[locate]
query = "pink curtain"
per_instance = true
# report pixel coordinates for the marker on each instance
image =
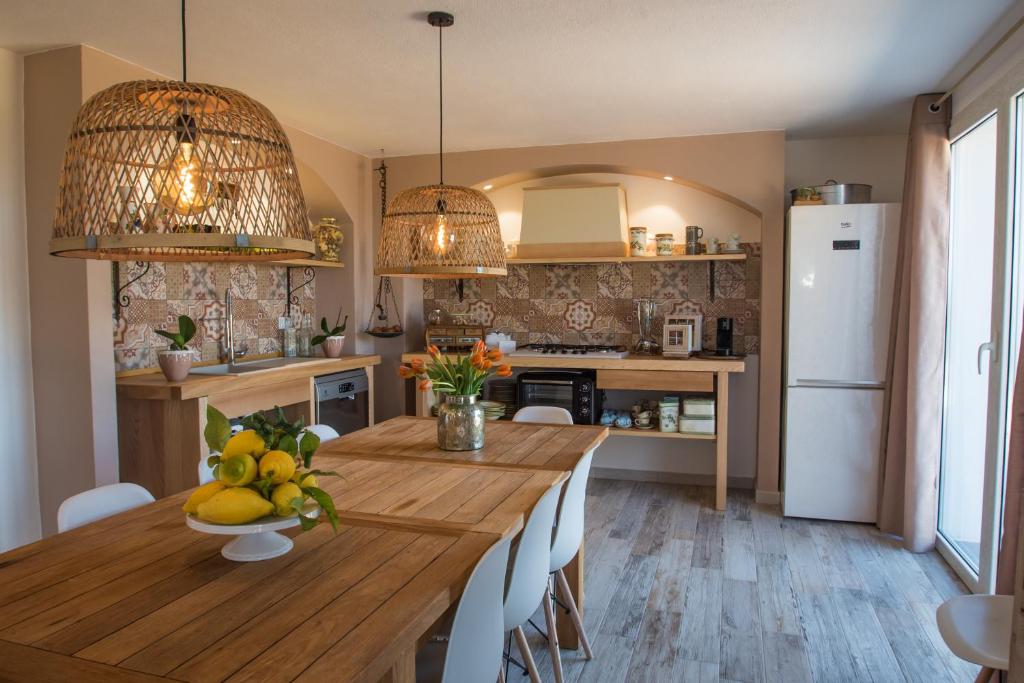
(909, 488)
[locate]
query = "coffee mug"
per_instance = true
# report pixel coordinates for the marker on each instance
(624, 422)
(734, 243)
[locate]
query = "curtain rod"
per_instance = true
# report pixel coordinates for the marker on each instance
(937, 104)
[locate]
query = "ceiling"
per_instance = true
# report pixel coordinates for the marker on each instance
(363, 74)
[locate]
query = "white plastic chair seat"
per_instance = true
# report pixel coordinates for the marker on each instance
(99, 503)
(977, 628)
(325, 432)
(205, 471)
(548, 414)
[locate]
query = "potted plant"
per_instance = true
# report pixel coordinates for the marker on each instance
(460, 420)
(176, 360)
(333, 338)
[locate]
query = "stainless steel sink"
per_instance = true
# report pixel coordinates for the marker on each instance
(250, 366)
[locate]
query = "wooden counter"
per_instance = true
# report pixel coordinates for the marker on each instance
(160, 424)
(643, 373)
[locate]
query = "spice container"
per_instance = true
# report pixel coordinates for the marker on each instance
(638, 241)
(666, 241)
(329, 239)
(668, 414)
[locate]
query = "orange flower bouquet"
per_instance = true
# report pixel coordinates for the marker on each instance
(460, 420)
(461, 376)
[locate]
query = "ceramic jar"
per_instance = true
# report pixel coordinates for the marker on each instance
(668, 412)
(332, 346)
(329, 239)
(175, 364)
(666, 242)
(460, 423)
(638, 241)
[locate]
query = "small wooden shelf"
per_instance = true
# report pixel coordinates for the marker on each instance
(630, 259)
(613, 431)
(302, 262)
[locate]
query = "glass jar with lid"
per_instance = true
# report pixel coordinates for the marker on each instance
(329, 239)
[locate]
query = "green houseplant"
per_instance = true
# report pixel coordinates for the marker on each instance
(176, 360)
(333, 338)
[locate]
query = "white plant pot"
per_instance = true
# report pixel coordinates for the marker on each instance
(333, 345)
(175, 364)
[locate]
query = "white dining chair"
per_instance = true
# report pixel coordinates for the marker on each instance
(205, 471)
(98, 503)
(549, 414)
(977, 628)
(568, 537)
(473, 648)
(529, 573)
(325, 432)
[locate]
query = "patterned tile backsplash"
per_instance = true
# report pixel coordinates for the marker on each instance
(595, 304)
(197, 290)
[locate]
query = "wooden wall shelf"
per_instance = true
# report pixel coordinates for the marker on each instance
(663, 435)
(302, 262)
(629, 259)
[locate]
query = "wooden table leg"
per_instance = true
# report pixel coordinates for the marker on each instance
(567, 637)
(721, 439)
(404, 668)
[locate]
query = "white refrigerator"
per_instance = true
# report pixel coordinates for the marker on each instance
(840, 277)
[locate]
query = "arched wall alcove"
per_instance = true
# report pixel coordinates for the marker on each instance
(659, 201)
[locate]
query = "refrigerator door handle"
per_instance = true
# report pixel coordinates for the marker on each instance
(982, 348)
(839, 384)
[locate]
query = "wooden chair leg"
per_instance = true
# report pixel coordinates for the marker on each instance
(524, 650)
(501, 673)
(574, 612)
(985, 675)
(549, 618)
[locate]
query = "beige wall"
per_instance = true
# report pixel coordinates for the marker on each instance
(877, 160)
(71, 324)
(748, 166)
(19, 506)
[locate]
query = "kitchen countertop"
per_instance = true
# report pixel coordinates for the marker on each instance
(630, 362)
(154, 387)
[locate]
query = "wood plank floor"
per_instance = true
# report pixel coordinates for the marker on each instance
(676, 591)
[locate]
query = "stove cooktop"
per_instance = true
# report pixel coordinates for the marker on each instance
(584, 350)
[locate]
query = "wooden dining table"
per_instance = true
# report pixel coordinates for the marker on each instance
(141, 597)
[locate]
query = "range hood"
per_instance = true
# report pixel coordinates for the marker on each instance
(577, 220)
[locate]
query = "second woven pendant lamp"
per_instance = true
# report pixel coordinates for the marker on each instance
(179, 171)
(441, 231)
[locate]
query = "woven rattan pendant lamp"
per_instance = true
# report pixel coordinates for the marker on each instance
(179, 171)
(441, 231)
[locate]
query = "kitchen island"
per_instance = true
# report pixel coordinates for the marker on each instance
(643, 373)
(160, 424)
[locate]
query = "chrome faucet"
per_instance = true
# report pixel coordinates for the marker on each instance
(229, 332)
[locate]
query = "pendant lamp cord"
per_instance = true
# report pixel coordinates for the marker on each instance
(440, 99)
(184, 53)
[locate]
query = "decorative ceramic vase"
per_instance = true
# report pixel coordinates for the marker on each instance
(332, 346)
(175, 364)
(460, 423)
(329, 239)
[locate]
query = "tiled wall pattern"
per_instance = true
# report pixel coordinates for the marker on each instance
(197, 290)
(595, 304)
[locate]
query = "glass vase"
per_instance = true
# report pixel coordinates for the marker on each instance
(460, 423)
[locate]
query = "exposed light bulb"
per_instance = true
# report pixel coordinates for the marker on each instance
(184, 190)
(443, 236)
(668, 177)
(488, 187)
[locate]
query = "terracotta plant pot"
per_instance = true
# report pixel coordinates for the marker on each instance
(332, 346)
(175, 364)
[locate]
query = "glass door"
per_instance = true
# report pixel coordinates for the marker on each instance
(966, 423)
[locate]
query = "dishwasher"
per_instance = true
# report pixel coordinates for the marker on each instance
(342, 400)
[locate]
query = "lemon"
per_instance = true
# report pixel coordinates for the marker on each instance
(304, 478)
(234, 506)
(277, 466)
(201, 495)
(282, 498)
(237, 470)
(247, 442)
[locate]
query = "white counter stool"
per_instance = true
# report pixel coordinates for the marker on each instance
(529, 573)
(977, 628)
(98, 503)
(549, 414)
(472, 650)
(325, 432)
